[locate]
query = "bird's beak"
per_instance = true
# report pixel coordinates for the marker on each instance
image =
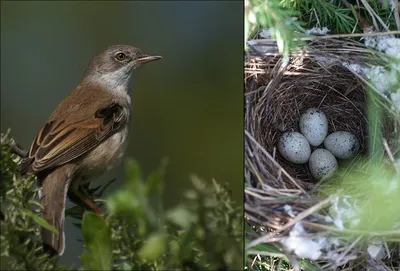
(145, 59)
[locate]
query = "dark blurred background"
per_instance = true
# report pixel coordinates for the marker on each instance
(187, 107)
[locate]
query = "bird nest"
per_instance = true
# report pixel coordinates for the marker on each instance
(277, 92)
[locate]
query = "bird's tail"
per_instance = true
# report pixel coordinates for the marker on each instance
(53, 194)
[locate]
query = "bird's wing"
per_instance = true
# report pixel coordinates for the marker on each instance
(62, 140)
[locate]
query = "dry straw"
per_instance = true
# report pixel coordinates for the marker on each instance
(276, 93)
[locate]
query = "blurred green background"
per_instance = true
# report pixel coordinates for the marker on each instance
(187, 107)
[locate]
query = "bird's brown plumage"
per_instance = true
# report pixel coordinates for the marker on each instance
(71, 131)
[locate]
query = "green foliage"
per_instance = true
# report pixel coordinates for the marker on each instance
(203, 232)
(383, 11)
(97, 237)
(332, 14)
(276, 16)
(341, 17)
(375, 126)
(374, 188)
(21, 248)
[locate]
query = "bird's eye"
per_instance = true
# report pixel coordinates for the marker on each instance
(120, 56)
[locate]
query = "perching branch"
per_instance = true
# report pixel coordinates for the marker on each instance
(14, 147)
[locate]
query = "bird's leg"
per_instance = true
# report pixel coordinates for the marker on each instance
(87, 201)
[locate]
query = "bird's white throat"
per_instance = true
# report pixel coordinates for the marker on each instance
(116, 81)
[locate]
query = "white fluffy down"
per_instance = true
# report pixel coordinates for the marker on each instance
(308, 246)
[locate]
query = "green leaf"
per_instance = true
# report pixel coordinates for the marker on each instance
(181, 216)
(198, 184)
(124, 203)
(155, 181)
(154, 247)
(97, 240)
(186, 240)
(263, 247)
(43, 223)
(125, 266)
(373, 188)
(133, 176)
(306, 265)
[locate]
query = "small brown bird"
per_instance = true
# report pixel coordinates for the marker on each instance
(85, 135)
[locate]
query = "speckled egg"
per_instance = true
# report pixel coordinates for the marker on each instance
(342, 144)
(294, 147)
(322, 163)
(313, 125)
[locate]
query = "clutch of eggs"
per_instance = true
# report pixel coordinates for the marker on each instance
(313, 125)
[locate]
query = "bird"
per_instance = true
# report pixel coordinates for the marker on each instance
(86, 135)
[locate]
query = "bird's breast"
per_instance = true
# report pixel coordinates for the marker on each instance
(105, 156)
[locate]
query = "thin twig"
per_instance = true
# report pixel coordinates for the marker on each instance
(397, 14)
(348, 249)
(373, 14)
(389, 234)
(15, 148)
(371, 34)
